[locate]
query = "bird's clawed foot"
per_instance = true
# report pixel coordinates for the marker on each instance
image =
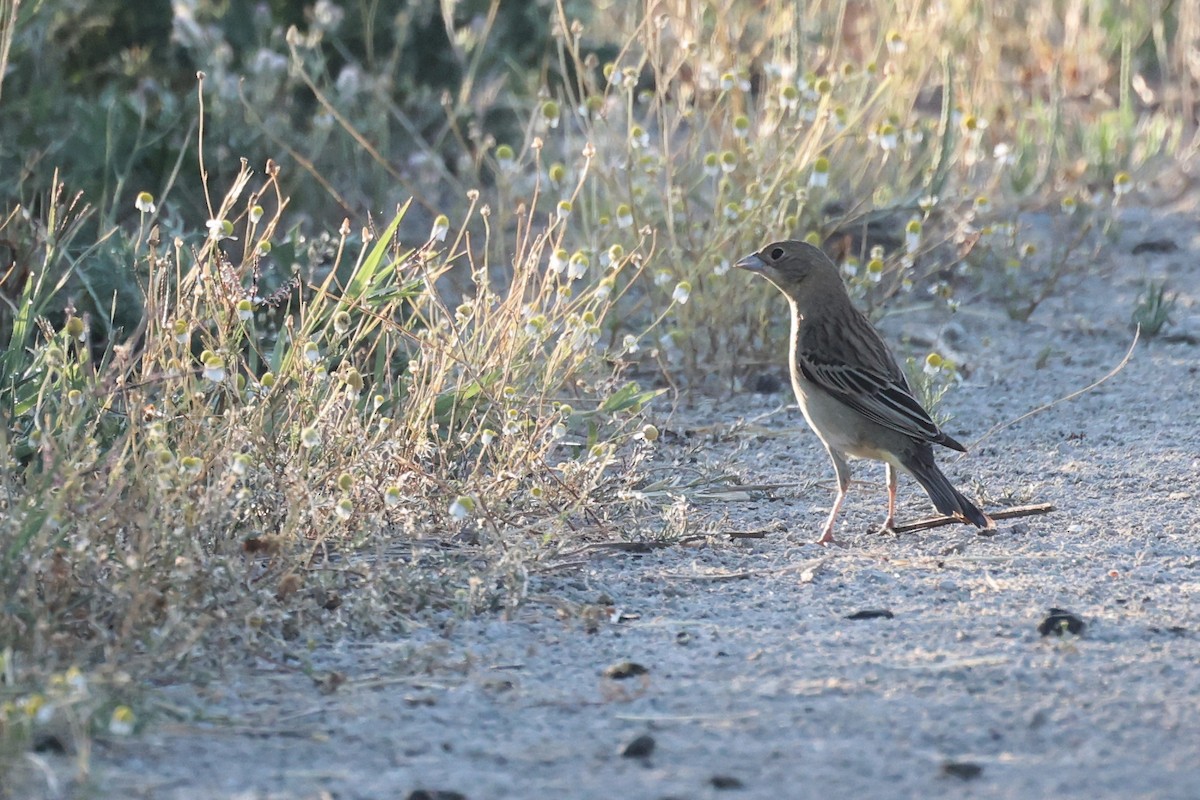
(888, 528)
(827, 540)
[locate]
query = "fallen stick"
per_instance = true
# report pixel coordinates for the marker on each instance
(1004, 513)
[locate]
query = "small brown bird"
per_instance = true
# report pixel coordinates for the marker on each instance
(849, 386)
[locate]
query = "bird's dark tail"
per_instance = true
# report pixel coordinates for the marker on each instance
(946, 499)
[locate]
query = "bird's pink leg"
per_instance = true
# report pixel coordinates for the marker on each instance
(843, 479)
(827, 533)
(890, 523)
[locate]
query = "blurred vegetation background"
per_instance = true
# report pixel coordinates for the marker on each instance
(365, 104)
(107, 96)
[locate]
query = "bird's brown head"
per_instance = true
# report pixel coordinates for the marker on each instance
(790, 265)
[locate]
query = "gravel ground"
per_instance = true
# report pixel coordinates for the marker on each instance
(754, 683)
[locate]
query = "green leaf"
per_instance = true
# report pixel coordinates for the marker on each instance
(376, 267)
(941, 167)
(457, 403)
(629, 396)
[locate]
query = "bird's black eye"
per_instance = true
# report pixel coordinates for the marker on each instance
(777, 253)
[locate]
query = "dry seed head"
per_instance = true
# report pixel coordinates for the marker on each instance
(887, 137)
(122, 721)
(462, 507)
(578, 265)
(214, 367)
(441, 227)
(310, 437)
(219, 229)
(75, 328)
(819, 178)
(558, 260)
(912, 236)
(535, 325)
(191, 467)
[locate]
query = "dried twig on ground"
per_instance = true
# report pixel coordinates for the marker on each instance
(1006, 513)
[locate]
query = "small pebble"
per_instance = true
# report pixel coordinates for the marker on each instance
(964, 770)
(641, 747)
(871, 613)
(1061, 621)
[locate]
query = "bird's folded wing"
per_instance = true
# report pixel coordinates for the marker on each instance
(880, 398)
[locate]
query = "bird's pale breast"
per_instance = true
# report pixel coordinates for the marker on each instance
(840, 427)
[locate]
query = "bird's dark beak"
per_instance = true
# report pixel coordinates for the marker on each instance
(751, 263)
